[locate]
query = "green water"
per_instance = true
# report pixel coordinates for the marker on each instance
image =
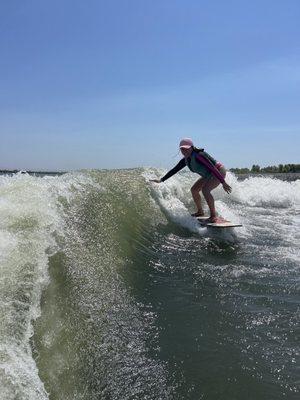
(138, 302)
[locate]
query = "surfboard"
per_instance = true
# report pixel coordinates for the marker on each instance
(222, 224)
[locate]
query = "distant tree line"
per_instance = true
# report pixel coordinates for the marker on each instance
(284, 168)
(7, 171)
(15, 171)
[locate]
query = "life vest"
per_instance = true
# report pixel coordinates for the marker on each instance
(195, 165)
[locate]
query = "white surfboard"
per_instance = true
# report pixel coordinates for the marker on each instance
(221, 224)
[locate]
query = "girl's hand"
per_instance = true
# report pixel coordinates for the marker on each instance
(226, 187)
(155, 180)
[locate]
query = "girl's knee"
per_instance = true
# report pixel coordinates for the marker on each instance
(195, 190)
(205, 192)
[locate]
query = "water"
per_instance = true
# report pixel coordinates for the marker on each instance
(110, 290)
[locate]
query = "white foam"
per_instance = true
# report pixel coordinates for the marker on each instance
(267, 192)
(30, 218)
(174, 208)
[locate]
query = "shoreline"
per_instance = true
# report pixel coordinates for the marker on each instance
(16, 171)
(286, 176)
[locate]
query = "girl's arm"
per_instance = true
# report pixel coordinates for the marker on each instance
(174, 170)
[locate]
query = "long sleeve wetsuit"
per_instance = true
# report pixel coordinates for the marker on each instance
(174, 170)
(203, 159)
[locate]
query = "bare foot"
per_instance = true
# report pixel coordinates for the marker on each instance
(198, 214)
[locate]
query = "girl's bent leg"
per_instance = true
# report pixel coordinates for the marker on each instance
(206, 190)
(211, 204)
(195, 189)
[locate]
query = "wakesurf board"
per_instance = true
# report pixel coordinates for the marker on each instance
(220, 223)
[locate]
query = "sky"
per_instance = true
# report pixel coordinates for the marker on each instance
(117, 84)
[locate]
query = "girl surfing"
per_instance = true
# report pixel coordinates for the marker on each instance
(212, 174)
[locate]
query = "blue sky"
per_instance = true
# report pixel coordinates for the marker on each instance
(113, 84)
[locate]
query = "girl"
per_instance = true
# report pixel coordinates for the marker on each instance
(212, 173)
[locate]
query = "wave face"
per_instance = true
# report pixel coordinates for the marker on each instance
(109, 289)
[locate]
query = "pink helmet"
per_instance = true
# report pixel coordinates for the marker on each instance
(186, 143)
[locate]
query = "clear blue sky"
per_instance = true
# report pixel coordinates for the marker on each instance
(112, 84)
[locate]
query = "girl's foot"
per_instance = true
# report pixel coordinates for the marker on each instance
(198, 214)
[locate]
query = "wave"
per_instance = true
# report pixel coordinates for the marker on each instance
(75, 323)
